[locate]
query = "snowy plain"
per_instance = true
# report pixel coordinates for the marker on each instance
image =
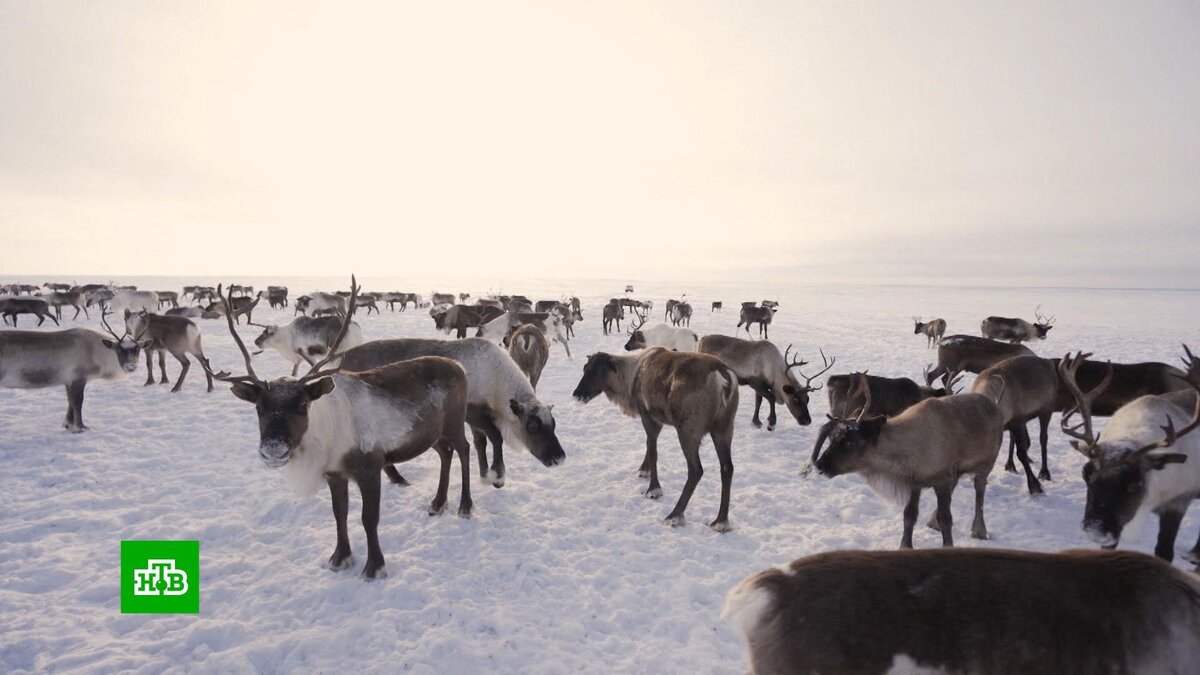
(567, 569)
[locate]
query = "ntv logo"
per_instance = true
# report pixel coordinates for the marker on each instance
(160, 577)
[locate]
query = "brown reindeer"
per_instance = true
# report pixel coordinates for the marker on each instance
(1026, 387)
(174, 334)
(695, 393)
(529, 348)
(955, 611)
(933, 330)
(967, 353)
(759, 365)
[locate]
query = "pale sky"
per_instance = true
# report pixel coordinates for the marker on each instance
(992, 143)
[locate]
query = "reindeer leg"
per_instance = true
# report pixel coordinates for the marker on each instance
(149, 368)
(758, 399)
(1193, 556)
(650, 461)
(1021, 432)
(723, 442)
(1011, 466)
(69, 419)
(162, 366)
(910, 517)
(691, 452)
(464, 461)
(1168, 530)
(394, 476)
(368, 487)
(439, 500)
(978, 528)
(77, 404)
(1043, 436)
(184, 365)
(340, 494)
(945, 520)
(771, 419)
(480, 439)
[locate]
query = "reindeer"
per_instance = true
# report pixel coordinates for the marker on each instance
(1025, 387)
(442, 298)
(135, 301)
(569, 318)
(576, 308)
(967, 353)
(760, 366)
(70, 298)
(681, 314)
(236, 290)
(174, 334)
(695, 393)
(954, 611)
(1016, 330)
(930, 445)
(662, 335)
(459, 318)
(277, 296)
(69, 358)
(11, 308)
(339, 425)
(716, 307)
(613, 313)
(529, 350)
(192, 313)
(933, 330)
(759, 315)
(242, 306)
(501, 403)
(500, 328)
(56, 286)
(1135, 464)
(167, 298)
(306, 339)
(323, 304)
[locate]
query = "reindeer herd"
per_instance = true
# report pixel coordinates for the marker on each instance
(362, 408)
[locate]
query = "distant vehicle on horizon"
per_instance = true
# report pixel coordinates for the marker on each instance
(628, 288)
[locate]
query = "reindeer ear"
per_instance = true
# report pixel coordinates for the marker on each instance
(108, 343)
(789, 390)
(316, 390)
(516, 407)
(1160, 461)
(246, 391)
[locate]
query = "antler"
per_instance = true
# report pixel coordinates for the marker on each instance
(1192, 377)
(315, 372)
(1041, 318)
(950, 378)
(788, 364)
(864, 387)
(808, 380)
(1067, 369)
(638, 326)
(104, 322)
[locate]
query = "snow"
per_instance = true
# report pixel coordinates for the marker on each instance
(563, 570)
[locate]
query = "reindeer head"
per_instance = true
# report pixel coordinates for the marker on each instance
(850, 438)
(637, 339)
(536, 431)
(282, 404)
(1116, 473)
(127, 347)
(596, 372)
(796, 395)
(919, 325)
(1043, 324)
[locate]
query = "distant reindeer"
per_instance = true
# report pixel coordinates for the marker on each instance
(529, 349)
(662, 335)
(442, 298)
(174, 334)
(716, 307)
(1135, 465)
(277, 296)
(695, 393)
(69, 358)
(242, 306)
(759, 315)
(681, 314)
(307, 339)
(933, 330)
(1016, 330)
(340, 425)
(967, 353)
(759, 365)
(930, 445)
(956, 611)
(70, 298)
(167, 298)
(612, 315)
(12, 307)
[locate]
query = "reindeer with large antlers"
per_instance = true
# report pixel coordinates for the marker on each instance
(338, 426)
(1017, 330)
(759, 365)
(661, 335)
(1135, 464)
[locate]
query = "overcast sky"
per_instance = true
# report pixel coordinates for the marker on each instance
(1024, 143)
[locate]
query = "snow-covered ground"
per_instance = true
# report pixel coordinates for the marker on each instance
(562, 570)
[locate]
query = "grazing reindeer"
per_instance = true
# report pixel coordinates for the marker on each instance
(1026, 388)
(930, 445)
(242, 306)
(662, 335)
(459, 318)
(1130, 381)
(967, 353)
(11, 308)
(681, 314)
(759, 315)
(887, 396)
(322, 304)
(613, 313)
(501, 404)
(277, 296)
(760, 366)
(174, 334)
(70, 358)
(529, 349)
(72, 298)
(167, 298)
(942, 611)
(576, 308)
(442, 298)
(339, 426)
(716, 307)
(1135, 464)
(932, 329)
(1016, 330)
(56, 286)
(695, 393)
(307, 339)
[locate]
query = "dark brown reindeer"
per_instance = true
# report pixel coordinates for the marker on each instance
(760, 366)
(967, 353)
(11, 308)
(716, 306)
(337, 426)
(70, 298)
(1142, 462)
(176, 335)
(930, 445)
(613, 313)
(1016, 330)
(759, 315)
(933, 330)
(528, 347)
(955, 611)
(1026, 388)
(695, 393)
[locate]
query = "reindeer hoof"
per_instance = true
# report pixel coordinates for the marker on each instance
(979, 534)
(720, 526)
(653, 493)
(372, 574)
(1035, 490)
(674, 521)
(464, 512)
(806, 469)
(148, 384)
(756, 424)
(335, 565)
(934, 525)
(436, 509)
(770, 426)
(1044, 474)
(1010, 467)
